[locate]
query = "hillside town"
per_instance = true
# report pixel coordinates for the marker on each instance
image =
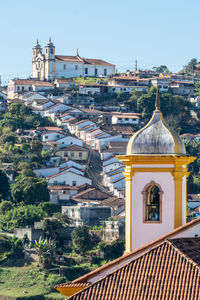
(67, 137)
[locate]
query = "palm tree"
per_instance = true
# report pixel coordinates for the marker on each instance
(45, 250)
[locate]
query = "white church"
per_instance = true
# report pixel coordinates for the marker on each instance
(49, 66)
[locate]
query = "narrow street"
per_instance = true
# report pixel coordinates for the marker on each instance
(94, 170)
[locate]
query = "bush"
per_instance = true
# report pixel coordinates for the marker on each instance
(112, 250)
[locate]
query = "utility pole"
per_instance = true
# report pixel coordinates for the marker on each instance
(136, 65)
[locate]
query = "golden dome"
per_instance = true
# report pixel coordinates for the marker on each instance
(156, 137)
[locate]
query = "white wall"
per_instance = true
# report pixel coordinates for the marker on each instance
(46, 172)
(68, 178)
(144, 233)
(69, 140)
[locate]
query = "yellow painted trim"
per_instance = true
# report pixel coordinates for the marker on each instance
(178, 171)
(128, 174)
(69, 291)
(153, 169)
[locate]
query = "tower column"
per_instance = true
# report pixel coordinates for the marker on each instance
(128, 174)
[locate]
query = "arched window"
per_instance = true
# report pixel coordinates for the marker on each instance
(152, 195)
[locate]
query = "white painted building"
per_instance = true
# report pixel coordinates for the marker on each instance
(50, 66)
(19, 86)
(69, 140)
(125, 118)
(68, 178)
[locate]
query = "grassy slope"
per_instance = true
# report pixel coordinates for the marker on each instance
(89, 80)
(24, 281)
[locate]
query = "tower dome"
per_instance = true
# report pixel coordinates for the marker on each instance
(37, 46)
(156, 137)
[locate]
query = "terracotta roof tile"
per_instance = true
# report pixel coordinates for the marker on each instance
(162, 273)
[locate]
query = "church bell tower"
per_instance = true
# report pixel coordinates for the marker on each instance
(156, 175)
(50, 61)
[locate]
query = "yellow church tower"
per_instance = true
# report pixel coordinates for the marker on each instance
(156, 175)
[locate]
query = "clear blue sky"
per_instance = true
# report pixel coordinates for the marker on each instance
(119, 31)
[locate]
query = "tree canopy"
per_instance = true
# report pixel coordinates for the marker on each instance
(4, 185)
(177, 110)
(30, 190)
(81, 240)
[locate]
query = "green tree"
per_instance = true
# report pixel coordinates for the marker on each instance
(5, 206)
(190, 67)
(81, 240)
(4, 185)
(161, 69)
(176, 108)
(30, 190)
(21, 216)
(56, 228)
(45, 250)
(112, 250)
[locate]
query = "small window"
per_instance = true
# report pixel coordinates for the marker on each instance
(86, 71)
(105, 72)
(76, 67)
(51, 51)
(72, 154)
(46, 51)
(46, 137)
(80, 154)
(22, 88)
(18, 88)
(95, 71)
(29, 88)
(152, 203)
(74, 183)
(64, 67)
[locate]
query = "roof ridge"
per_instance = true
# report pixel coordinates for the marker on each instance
(138, 250)
(167, 242)
(182, 253)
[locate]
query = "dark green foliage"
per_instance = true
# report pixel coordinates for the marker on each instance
(5, 206)
(81, 240)
(193, 186)
(112, 250)
(190, 67)
(21, 216)
(176, 109)
(4, 185)
(29, 190)
(21, 116)
(161, 69)
(11, 247)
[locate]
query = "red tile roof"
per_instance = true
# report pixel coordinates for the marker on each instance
(131, 255)
(164, 272)
(32, 82)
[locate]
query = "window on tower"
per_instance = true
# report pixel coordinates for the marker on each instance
(51, 51)
(152, 203)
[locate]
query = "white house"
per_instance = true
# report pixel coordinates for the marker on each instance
(162, 83)
(69, 140)
(33, 96)
(59, 107)
(71, 163)
(68, 178)
(125, 118)
(61, 194)
(112, 166)
(50, 66)
(18, 86)
(42, 103)
(44, 172)
(102, 142)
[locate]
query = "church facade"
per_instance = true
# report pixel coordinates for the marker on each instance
(49, 66)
